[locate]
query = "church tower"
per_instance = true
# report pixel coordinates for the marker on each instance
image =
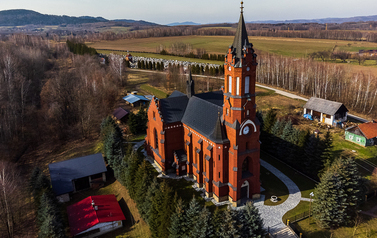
(239, 117)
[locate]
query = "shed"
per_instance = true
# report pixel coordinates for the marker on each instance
(77, 174)
(135, 100)
(328, 112)
(364, 134)
(94, 216)
(121, 114)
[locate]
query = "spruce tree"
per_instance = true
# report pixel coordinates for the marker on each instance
(327, 156)
(192, 214)
(33, 178)
(178, 220)
(203, 227)
(144, 179)
(147, 204)
(216, 221)
(337, 195)
(252, 222)
(269, 121)
(229, 228)
(165, 210)
(133, 165)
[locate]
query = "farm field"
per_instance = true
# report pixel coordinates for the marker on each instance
(296, 47)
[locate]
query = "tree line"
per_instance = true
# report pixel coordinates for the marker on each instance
(80, 48)
(158, 203)
(306, 152)
(49, 217)
(345, 31)
(49, 93)
(357, 90)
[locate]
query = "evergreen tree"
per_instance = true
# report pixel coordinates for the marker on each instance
(313, 163)
(33, 178)
(275, 130)
(144, 179)
(133, 165)
(52, 228)
(216, 221)
(192, 215)
(269, 121)
(252, 222)
(164, 214)
(229, 226)
(327, 156)
(147, 204)
(203, 227)
(178, 220)
(337, 195)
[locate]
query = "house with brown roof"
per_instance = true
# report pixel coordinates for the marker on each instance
(364, 134)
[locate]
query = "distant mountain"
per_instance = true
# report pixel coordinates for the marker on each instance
(186, 23)
(20, 17)
(323, 20)
(138, 22)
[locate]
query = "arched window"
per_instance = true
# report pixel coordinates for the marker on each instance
(155, 139)
(245, 168)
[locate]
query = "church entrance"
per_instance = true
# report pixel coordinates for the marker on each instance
(245, 190)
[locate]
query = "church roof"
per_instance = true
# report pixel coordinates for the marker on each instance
(173, 108)
(176, 93)
(202, 116)
(241, 40)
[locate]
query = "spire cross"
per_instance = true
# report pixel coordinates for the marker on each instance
(242, 7)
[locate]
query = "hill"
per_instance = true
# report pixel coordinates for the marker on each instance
(186, 23)
(141, 22)
(324, 20)
(20, 17)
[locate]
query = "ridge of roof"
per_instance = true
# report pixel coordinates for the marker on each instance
(324, 105)
(369, 129)
(82, 215)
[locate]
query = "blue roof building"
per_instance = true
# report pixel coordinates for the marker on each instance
(135, 100)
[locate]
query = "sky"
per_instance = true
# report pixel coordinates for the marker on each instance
(199, 11)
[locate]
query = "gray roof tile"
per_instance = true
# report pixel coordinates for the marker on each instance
(325, 106)
(62, 173)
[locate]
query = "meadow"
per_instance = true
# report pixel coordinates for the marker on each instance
(295, 47)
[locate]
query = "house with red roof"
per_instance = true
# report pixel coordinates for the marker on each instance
(364, 134)
(94, 216)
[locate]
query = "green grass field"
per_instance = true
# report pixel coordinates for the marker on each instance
(153, 91)
(296, 47)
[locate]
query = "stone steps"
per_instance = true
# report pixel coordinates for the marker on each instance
(284, 233)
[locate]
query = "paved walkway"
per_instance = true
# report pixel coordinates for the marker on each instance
(272, 215)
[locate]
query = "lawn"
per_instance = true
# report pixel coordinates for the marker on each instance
(305, 185)
(153, 91)
(367, 227)
(272, 186)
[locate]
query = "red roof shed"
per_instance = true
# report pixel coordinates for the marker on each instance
(92, 211)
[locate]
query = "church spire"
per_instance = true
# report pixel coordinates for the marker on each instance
(190, 88)
(241, 40)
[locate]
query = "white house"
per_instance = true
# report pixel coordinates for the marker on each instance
(326, 111)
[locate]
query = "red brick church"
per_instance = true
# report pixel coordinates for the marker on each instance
(213, 137)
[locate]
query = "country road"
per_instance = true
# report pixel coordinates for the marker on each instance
(278, 91)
